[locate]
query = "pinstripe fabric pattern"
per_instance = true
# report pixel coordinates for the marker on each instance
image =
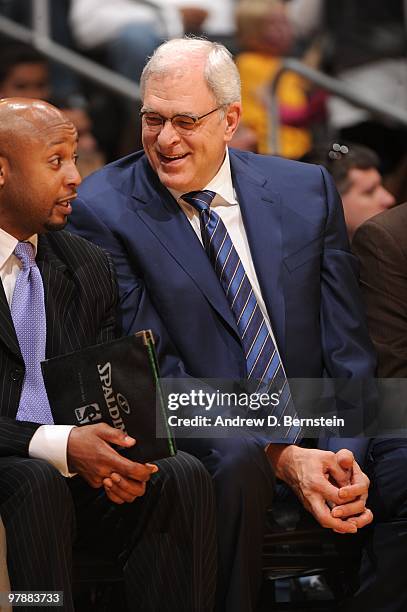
(170, 529)
(177, 546)
(80, 299)
(37, 512)
(262, 359)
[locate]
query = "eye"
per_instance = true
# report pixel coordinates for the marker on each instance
(75, 158)
(184, 122)
(55, 161)
(152, 119)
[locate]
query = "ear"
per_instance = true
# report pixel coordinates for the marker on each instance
(3, 171)
(232, 117)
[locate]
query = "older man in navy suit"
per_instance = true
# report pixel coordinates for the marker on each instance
(240, 264)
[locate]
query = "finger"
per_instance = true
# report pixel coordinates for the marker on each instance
(129, 488)
(362, 520)
(348, 510)
(107, 482)
(114, 435)
(328, 492)
(345, 458)
(340, 475)
(113, 497)
(126, 494)
(323, 515)
(351, 492)
(114, 462)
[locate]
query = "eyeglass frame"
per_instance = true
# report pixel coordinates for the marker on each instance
(195, 119)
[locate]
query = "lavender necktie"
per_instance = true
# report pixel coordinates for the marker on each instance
(28, 314)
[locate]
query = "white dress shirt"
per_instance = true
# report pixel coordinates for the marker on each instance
(49, 442)
(227, 207)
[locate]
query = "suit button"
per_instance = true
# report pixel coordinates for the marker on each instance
(16, 374)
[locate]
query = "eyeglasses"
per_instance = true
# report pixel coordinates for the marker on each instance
(183, 124)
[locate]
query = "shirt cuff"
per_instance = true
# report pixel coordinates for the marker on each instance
(50, 443)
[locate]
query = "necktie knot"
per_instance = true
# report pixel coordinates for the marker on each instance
(200, 200)
(25, 253)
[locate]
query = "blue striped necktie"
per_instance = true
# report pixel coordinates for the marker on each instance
(262, 358)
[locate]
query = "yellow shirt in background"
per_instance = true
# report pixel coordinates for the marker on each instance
(257, 72)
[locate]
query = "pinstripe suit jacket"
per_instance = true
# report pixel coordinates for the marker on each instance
(80, 298)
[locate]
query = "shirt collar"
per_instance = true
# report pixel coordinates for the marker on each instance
(8, 243)
(221, 184)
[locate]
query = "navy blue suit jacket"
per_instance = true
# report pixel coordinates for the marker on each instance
(295, 227)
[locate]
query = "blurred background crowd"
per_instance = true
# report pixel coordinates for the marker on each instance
(364, 44)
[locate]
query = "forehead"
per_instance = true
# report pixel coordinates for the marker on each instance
(182, 89)
(364, 178)
(44, 138)
(28, 70)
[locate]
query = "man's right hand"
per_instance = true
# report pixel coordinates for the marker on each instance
(91, 455)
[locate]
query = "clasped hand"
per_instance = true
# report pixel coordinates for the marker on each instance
(330, 485)
(90, 454)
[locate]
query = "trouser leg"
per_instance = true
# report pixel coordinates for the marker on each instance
(165, 540)
(382, 582)
(37, 511)
(243, 482)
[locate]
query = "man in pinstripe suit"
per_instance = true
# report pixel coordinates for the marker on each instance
(165, 539)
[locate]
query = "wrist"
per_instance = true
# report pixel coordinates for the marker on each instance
(282, 457)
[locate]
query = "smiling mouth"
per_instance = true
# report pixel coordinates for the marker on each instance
(171, 158)
(67, 200)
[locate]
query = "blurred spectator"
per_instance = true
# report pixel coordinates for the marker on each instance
(380, 245)
(244, 139)
(63, 79)
(355, 172)
(265, 34)
(23, 72)
(127, 31)
(90, 157)
(366, 45)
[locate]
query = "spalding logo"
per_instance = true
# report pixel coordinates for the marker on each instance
(123, 403)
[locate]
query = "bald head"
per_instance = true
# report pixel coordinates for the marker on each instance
(24, 118)
(38, 174)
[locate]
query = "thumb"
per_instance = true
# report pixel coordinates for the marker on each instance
(115, 436)
(345, 459)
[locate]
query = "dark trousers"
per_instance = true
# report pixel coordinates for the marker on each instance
(382, 575)
(164, 540)
(244, 484)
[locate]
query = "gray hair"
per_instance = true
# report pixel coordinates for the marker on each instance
(220, 72)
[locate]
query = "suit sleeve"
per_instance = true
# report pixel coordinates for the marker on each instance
(383, 281)
(348, 353)
(136, 312)
(15, 437)
(347, 348)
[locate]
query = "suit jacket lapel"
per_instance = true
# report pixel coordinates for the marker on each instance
(8, 333)
(261, 212)
(160, 212)
(58, 291)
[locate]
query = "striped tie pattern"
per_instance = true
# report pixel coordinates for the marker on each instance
(262, 358)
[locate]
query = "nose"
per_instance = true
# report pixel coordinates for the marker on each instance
(388, 199)
(72, 177)
(168, 135)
